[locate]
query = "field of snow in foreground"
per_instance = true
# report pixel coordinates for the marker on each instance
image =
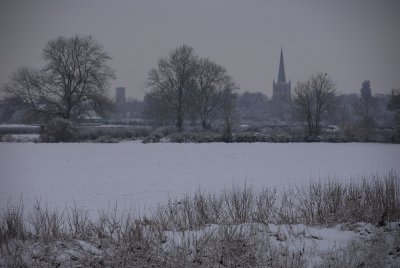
(136, 175)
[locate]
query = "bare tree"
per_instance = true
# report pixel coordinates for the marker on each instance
(174, 79)
(366, 108)
(228, 107)
(313, 98)
(394, 102)
(211, 81)
(11, 107)
(102, 105)
(253, 106)
(344, 114)
(156, 109)
(76, 72)
(394, 105)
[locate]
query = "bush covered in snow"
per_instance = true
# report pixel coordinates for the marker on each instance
(112, 133)
(18, 129)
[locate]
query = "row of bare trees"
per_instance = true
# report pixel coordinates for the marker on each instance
(76, 77)
(185, 86)
(316, 99)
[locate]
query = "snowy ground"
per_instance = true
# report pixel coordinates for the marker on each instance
(139, 175)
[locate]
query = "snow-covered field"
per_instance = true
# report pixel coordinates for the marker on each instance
(140, 176)
(137, 175)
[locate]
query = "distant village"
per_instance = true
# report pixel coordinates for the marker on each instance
(261, 114)
(240, 115)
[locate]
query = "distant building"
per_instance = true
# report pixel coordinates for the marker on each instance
(91, 117)
(281, 90)
(120, 99)
(366, 89)
(120, 103)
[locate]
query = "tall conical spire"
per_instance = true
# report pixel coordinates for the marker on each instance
(281, 74)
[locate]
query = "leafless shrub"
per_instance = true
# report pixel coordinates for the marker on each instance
(12, 224)
(13, 253)
(111, 222)
(286, 211)
(373, 200)
(189, 212)
(173, 215)
(239, 204)
(237, 247)
(79, 225)
(230, 246)
(320, 203)
(265, 204)
(215, 205)
(136, 245)
(202, 209)
(46, 224)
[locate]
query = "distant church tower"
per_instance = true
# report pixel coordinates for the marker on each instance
(120, 97)
(281, 89)
(120, 100)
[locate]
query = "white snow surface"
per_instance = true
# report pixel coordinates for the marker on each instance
(140, 176)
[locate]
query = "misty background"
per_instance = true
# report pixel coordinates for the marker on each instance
(352, 41)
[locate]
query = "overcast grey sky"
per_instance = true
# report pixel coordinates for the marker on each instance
(351, 40)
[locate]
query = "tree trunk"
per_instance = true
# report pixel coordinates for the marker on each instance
(204, 124)
(179, 122)
(227, 133)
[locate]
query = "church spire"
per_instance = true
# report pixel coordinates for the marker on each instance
(281, 89)
(281, 74)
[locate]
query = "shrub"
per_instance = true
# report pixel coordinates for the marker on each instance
(200, 137)
(116, 133)
(19, 129)
(153, 137)
(59, 130)
(12, 224)
(165, 130)
(107, 139)
(179, 137)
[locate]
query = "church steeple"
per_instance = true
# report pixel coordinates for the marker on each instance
(281, 90)
(281, 74)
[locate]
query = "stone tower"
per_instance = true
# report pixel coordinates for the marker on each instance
(120, 96)
(120, 100)
(281, 89)
(366, 89)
